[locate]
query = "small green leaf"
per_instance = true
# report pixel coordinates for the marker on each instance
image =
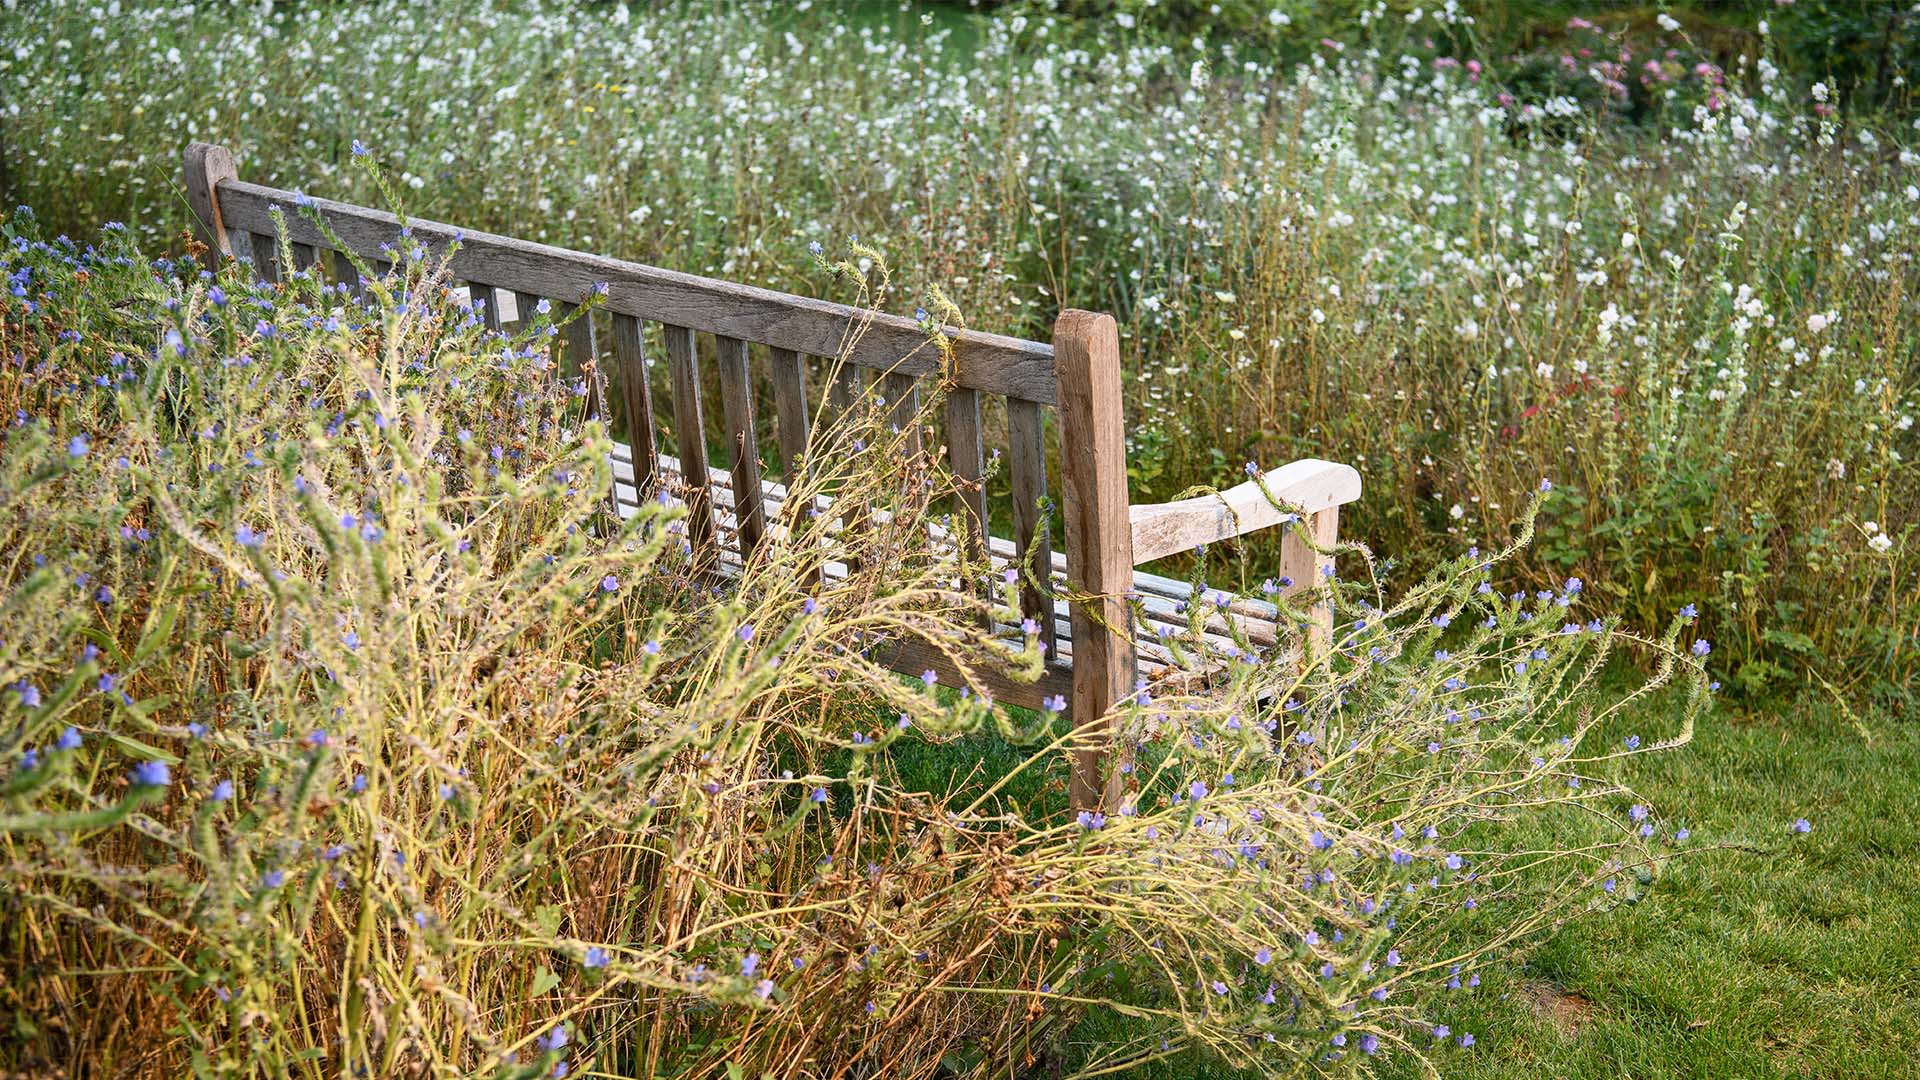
(136, 748)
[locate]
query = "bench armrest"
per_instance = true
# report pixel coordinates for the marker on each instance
(1302, 487)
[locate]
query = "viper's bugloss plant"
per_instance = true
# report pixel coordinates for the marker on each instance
(344, 729)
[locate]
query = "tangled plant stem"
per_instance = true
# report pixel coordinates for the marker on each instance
(343, 729)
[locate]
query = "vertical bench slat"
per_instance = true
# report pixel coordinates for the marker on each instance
(966, 456)
(1033, 548)
(482, 299)
(304, 256)
(682, 362)
(581, 353)
(1099, 536)
(347, 274)
(736, 400)
(266, 257)
(636, 396)
(903, 408)
(790, 409)
(523, 307)
(847, 392)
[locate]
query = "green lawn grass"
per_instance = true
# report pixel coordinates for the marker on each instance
(1765, 954)
(1761, 954)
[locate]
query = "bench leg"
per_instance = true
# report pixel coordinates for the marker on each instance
(1301, 562)
(1099, 536)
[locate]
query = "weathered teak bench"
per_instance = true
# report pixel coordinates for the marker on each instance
(1095, 656)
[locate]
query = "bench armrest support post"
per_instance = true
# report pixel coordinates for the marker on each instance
(1099, 539)
(1310, 571)
(204, 167)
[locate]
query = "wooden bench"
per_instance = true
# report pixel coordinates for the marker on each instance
(1095, 655)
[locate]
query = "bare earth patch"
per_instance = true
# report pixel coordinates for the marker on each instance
(1567, 1011)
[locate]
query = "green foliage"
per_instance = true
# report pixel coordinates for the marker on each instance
(1366, 251)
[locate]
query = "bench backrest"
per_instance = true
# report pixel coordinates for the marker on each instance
(1079, 375)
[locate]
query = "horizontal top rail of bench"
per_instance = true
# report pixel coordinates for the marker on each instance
(1018, 369)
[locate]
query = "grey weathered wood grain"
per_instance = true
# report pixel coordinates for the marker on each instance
(1033, 547)
(691, 428)
(484, 305)
(304, 256)
(966, 456)
(987, 362)
(846, 390)
(743, 442)
(790, 407)
(582, 353)
(903, 408)
(266, 256)
(348, 274)
(526, 307)
(636, 399)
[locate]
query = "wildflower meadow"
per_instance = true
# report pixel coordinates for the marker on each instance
(346, 727)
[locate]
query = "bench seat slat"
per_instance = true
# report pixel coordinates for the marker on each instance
(1162, 601)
